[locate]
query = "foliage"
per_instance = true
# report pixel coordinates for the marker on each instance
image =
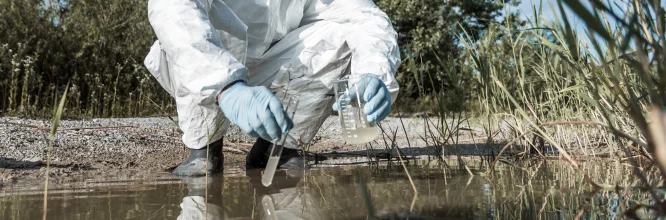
(613, 80)
(626, 78)
(428, 37)
(98, 45)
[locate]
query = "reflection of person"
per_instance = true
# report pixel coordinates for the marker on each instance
(284, 199)
(287, 199)
(223, 57)
(196, 206)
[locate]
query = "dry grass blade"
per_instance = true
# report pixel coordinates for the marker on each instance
(365, 193)
(537, 128)
(54, 129)
(402, 162)
(658, 133)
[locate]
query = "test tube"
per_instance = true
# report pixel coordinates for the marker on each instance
(276, 150)
(269, 208)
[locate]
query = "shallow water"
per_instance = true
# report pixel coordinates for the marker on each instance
(531, 190)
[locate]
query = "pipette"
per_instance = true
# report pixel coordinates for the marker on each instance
(276, 150)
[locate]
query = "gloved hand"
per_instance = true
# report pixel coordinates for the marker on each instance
(374, 94)
(255, 110)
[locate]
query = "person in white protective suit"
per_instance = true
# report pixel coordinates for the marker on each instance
(238, 59)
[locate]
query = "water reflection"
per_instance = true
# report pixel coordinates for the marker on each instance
(530, 190)
(198, 203)
(284, 199)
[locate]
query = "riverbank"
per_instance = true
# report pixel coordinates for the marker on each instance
(146, 146)
(135, 148)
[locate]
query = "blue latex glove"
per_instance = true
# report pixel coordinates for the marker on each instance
(375, 95)
(255, 110)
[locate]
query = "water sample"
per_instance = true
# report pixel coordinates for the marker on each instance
(276, 151)
(359, 135)
(356, 129)
(267, 179)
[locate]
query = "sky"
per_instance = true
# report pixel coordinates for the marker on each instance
(526, 11)
(525, 7)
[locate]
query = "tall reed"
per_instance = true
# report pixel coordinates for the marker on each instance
(551, 82)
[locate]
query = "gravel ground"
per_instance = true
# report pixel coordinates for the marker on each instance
(137, 147)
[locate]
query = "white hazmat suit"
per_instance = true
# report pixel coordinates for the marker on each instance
(293, 46)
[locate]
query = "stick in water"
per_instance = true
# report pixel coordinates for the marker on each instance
(276, 151)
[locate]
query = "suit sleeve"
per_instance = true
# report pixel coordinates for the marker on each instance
(369, 34)
(199, 64)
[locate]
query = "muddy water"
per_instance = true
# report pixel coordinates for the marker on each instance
(530, 190)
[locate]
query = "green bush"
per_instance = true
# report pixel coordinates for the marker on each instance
(97, 45)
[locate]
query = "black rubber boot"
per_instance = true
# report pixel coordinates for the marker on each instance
(261, 150)
(196, 163)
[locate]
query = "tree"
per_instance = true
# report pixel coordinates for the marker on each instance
(428, 36)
